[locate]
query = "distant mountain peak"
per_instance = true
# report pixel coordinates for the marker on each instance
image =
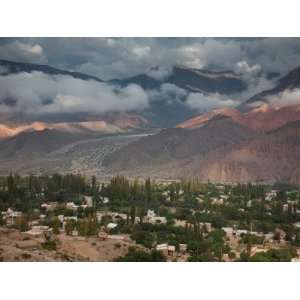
(12, 67)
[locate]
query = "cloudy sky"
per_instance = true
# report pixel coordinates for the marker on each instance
(38, 94)
(121, 57)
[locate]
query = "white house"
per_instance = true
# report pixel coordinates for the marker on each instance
(183, 248)
(61, 218)
(229, 231)
(199, 199)
(285, 207)
(166, 249)
(88, 201)
(111, 225)
(105, 200)
(99, 215)
(153, 219)
(71, 206)
(49, 206)
(162, 247)
(10, 216)
(150, 213)
(217, 201)
(270, 195)
(297, 224)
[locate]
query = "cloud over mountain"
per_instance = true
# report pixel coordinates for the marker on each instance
(286, 98)
(39, 94)
(123, 57)
(202, 102)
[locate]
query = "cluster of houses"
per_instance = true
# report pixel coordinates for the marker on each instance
(236, 234)
(51, 206)
(36, 229)
(112, 220)
(150, 217)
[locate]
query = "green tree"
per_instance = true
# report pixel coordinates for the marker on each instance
(69, 227)
(55, 225)
(135, 255)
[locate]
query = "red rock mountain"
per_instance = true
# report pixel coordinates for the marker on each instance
(263, 118)
(262, 145)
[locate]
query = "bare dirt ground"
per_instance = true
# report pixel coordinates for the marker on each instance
(93, 249)
(17, 246)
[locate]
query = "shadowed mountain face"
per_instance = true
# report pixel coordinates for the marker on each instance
(210, 82)
(192, 80)
(11, 67)
(33, 144)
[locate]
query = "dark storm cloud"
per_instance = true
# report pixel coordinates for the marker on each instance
(122, 57)
(254, 59)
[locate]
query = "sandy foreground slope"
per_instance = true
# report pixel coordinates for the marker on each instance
(16, 246)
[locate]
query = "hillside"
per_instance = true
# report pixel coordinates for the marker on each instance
(176, 144)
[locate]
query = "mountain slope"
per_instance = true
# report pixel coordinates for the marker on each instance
(177, 143)
(272, 157)
(36, 143)
(196, 80)
(215, 155)
(192, 80)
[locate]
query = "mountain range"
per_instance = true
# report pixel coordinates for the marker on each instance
(192, 80)
(221, 150)
(257, 141)
(163, 111)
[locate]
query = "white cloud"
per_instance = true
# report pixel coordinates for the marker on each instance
(286, 98)
(159, 73)
(22, 51)
(191, 56)
(242, 67)
(141, 51)
(167, 93)
(64, 94)
(255, 85)
(202, 103)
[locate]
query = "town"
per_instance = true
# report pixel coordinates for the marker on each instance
(74, 218)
